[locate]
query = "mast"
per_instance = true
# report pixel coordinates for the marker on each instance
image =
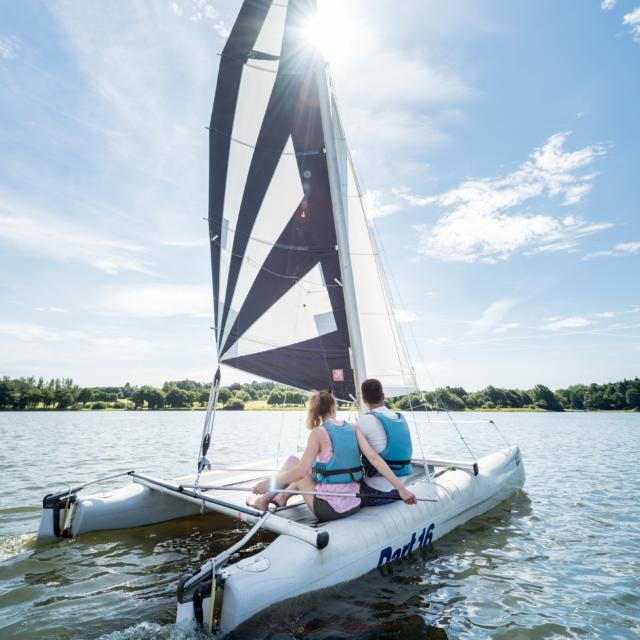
(342, 232)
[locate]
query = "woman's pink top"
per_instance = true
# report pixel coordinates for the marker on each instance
(339, 503)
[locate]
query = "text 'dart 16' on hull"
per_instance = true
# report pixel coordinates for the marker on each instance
(300, 298)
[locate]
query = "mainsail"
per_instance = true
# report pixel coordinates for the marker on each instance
(280, 297)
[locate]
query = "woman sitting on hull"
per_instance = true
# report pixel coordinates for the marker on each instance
(330, 463)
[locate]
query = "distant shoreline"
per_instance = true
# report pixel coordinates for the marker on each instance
(298, 408)
(62, 394)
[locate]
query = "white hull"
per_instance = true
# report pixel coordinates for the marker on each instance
(370, 538)
(134, 505)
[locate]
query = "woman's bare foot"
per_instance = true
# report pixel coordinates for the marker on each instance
(259, 502)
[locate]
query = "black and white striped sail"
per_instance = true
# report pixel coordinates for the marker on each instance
(279, 299)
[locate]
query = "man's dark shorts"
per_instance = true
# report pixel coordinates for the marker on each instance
(371, 497)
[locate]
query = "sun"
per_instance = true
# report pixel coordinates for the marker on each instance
(329, 30)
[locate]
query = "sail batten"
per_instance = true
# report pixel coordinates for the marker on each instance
(278, 281)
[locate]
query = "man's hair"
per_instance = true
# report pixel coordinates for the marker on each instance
(372, 392)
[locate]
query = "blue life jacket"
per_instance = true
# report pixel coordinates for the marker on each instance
(397, 453)
(344, 465)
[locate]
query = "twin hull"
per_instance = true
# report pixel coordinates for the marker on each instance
(289, 566)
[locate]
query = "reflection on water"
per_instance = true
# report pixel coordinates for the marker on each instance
(559, 560)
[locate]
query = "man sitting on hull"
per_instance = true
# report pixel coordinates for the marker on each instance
(388, 434)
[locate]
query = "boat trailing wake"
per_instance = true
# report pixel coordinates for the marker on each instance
(153, 631)
(14, 545)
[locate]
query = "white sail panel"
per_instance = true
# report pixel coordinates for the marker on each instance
(269, 39)
(281, 200)
(385, 352)
(304, 312)
(255, 90)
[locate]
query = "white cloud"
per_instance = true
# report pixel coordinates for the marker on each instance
(202, 10)
(633, 20)
(628, 247)
(186, 244)
(27, 332)
(621, 249)
(572, 322)
(404, 315)
(608, 4)
(112, 347)
(482, 224)
(558, 323)
(506, 327)
(9, 46)
(52, 309)
(491, 316)
(147, 76)
(44, 235)
(437, 340)
(375, 205)
(159, 301)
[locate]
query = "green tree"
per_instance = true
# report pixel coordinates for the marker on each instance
(85, 395)
(64, 397)
(224, 394)
(275, 397)
(6, 393)
(233, 404)
(250, 392)
(632, 397)
(450, 401)
(154, 398)
(177, 397)
(545, 398)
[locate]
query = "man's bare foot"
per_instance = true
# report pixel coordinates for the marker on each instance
(280, 500)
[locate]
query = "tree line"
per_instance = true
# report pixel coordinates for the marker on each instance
(62, 393)
(620, 396)
(29, 393)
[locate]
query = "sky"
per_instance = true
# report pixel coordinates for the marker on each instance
(498, 144)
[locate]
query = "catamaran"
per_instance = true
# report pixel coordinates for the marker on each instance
(300, 298)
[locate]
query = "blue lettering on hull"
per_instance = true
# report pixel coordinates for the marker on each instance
(388, 554)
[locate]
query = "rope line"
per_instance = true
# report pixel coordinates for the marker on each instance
(248, 145)
(269, 271)
(291, 247)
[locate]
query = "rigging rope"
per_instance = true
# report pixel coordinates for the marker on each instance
(308, 152)
(207, 429)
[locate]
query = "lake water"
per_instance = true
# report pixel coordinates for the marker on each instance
(560, 560)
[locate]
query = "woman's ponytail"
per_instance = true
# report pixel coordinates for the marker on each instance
(321, 404)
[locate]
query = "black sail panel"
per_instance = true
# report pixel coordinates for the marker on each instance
(278, 298)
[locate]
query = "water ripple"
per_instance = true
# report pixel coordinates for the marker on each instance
(559, 560)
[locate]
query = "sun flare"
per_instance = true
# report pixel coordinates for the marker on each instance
(329, 30)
